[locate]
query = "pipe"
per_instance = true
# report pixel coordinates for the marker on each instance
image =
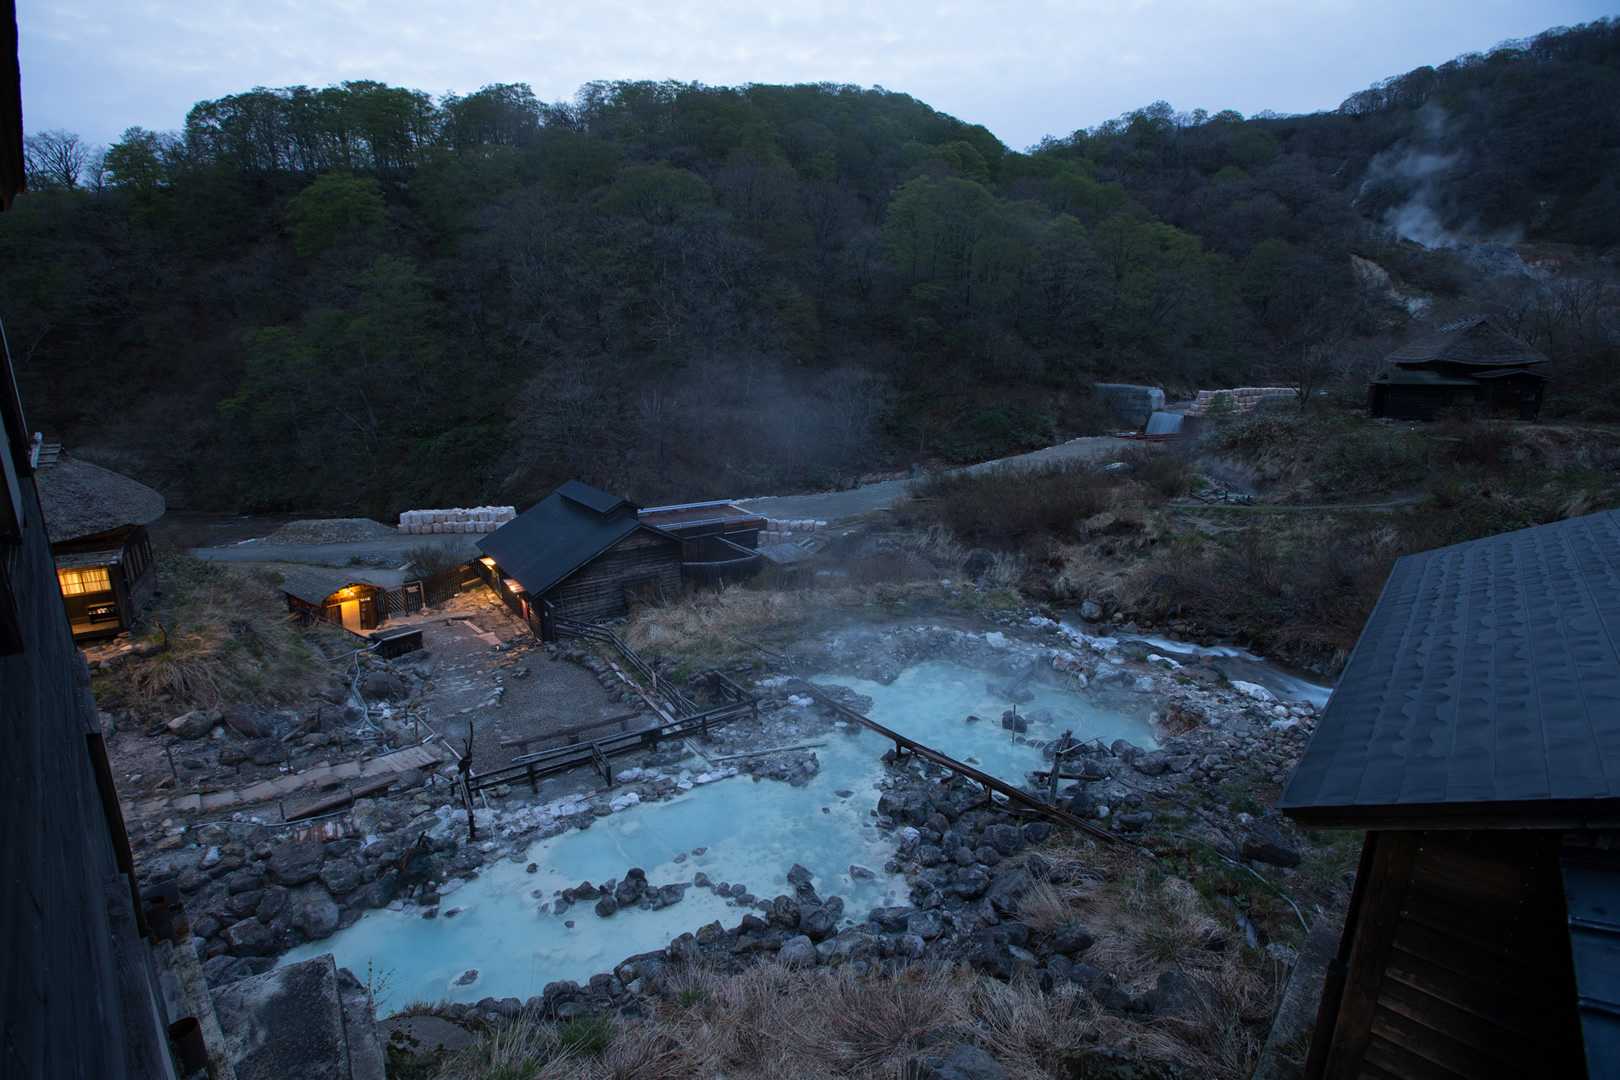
(186, 1035)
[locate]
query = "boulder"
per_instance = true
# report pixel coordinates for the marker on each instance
(340, 876)
(248, 722)
(1007, 839)
(927, 925)
(1071, 939)
(798, 952)
(818, 923)
(249, 937)
(607, 905)
(296, 863)
(1007, 888)
(999, 950)
(967, 1063)
(317, 917)
(1176, 994)
(191, 725)
(1265, 844)
(1091, 611)
(970, 883)
(381, 684)
(892, 919)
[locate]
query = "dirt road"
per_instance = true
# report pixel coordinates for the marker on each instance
(837, 505)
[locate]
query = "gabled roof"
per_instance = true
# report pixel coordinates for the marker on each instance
(1474, 342)
(1485, 688)
(313, 584)
(81, 499)
(559, 534)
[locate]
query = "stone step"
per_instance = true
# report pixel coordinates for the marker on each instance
(309, 1020)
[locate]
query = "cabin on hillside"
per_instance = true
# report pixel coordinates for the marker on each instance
(719, 540)
(1475, 736)
(581, 554)
(96, 520)
(356, 601)
(1468, 362)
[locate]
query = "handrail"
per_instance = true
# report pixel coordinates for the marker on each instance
(679, 702)
(983, 779)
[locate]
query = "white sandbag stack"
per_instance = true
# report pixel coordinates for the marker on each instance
(477, 519)
(780, 530)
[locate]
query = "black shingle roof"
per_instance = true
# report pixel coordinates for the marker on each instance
(1486, 685)
(559, 534)
(1473, 342)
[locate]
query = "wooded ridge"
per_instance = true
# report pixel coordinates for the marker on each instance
(360, 298)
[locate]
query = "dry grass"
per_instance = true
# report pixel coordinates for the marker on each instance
(227, 640)
(706, 627)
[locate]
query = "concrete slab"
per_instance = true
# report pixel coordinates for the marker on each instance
(286, 1023)
(1296, 1015)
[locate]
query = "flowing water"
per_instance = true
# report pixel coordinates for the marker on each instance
(1290, 684)
(749, 832)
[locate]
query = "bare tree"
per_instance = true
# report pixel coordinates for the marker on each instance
(56, 159)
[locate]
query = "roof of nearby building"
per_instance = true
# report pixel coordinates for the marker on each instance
(1485, 686)
(78, 560)
(1422, 377)
(1473, 341)
(313, 584)
(80, 499)
(559, 534)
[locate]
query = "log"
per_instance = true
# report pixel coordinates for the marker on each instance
(369, 786)
(762, 753)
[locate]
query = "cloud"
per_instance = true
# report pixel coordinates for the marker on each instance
(1024, 68)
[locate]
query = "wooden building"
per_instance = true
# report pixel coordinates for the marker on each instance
(1475, 736)
(1468, 362)
(582, 554)
(97, 522)
(719, 540)
(341, 597)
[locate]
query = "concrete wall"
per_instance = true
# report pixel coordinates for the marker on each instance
(77, 991)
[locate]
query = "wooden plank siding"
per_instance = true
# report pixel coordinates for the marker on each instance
(1461, 962)
(642, 560)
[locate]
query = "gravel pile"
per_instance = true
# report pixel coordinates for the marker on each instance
(331, 531)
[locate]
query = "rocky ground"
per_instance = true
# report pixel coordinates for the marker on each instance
(254, 887)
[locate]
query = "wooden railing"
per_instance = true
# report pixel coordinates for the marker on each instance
(992, 785)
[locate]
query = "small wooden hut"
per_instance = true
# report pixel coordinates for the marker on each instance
(96, 520)
(1475, 735)
(579, 553)
(1468, 362)
(340, 597)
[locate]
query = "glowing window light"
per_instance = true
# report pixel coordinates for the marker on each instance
(92, 579)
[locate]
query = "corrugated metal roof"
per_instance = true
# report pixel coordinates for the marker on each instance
(559, 534)
(1591, 868)
(1486, 683)
(785, 554)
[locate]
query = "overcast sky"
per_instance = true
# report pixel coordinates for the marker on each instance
(1023, 68)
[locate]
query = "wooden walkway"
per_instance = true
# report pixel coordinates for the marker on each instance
(992, 785)
(363, 773)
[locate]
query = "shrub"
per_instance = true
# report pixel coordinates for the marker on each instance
(1005, 507)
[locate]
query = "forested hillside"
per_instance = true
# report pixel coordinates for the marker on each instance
(362, 298)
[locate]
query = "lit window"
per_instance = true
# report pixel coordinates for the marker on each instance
(89, 580)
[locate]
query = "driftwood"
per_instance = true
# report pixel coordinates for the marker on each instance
(368, 786)
(762, 753)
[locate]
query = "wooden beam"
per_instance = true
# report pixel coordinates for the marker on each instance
(368, 786)
(1373, 931)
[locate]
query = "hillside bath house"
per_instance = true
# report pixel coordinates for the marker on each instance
(1468, 362)
(96, 520)
(1475, 736)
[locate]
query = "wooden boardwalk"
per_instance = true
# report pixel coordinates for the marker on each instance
(992, 785)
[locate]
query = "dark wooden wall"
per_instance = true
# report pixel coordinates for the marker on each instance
(597, 589)
(76, 986)
(1459, 963)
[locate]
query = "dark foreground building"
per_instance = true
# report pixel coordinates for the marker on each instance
(1469, 362)
(1475, 735)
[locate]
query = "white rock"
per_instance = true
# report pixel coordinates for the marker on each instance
(625, 801)
(1155, 658)
(996, 639)
(451, 886)
(1254, 690)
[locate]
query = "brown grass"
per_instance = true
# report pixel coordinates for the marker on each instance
(227, 640)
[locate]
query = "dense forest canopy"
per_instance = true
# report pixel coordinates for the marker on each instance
(362, 298)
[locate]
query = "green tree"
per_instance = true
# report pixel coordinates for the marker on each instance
(331, 208)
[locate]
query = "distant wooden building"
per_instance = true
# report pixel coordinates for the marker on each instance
(582, 554)
(1475, 735)
(96, 520)
(719, 540)
(1467, 362)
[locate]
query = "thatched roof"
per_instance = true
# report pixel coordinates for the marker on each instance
(1474, 342)
(81, 499)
